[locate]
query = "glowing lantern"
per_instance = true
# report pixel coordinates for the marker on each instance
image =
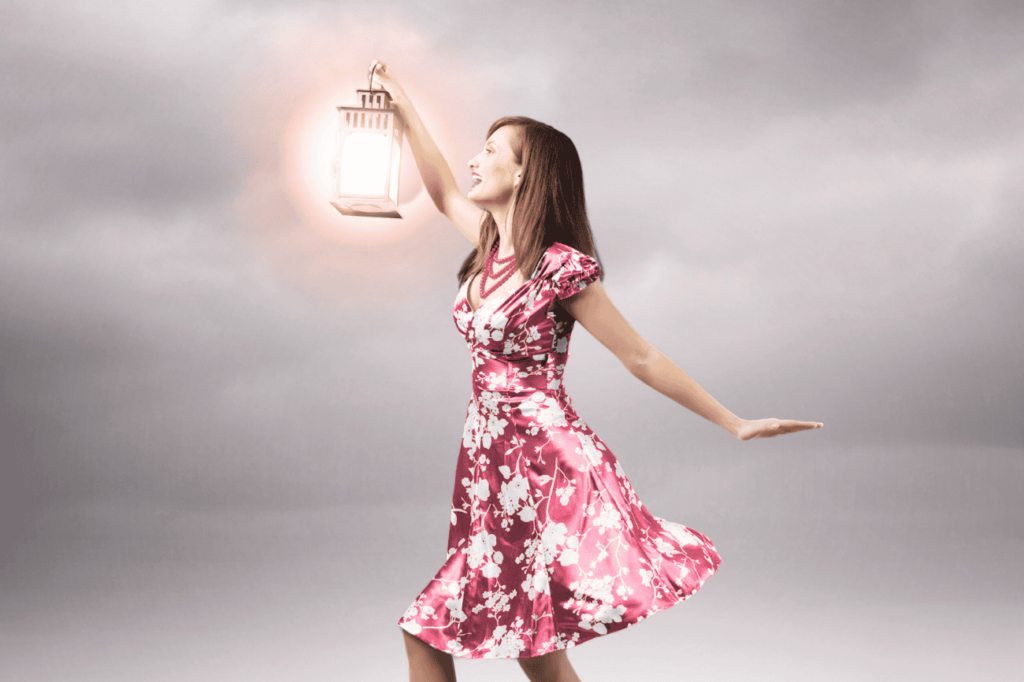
(368, 157)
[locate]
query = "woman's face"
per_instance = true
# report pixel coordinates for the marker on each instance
(495, 171)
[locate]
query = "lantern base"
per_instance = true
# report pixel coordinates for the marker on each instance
(367, 208)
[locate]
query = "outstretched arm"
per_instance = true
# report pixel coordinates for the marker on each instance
(434, 170)
(594, 310)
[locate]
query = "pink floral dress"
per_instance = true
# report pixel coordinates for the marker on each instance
(549, 545)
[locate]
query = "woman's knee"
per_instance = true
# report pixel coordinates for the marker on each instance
(417, 648)
(414, 646)
(546, 667)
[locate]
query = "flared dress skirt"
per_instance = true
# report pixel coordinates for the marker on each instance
(549, 545)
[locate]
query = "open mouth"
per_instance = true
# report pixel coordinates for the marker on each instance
(476, 179)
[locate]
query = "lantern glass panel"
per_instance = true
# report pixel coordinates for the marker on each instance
(365, 162)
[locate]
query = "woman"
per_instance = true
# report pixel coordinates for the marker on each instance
(548, 546)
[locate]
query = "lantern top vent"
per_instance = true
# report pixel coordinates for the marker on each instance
(373, 99)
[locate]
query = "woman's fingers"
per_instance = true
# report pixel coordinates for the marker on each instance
(767, 428)
(790, 426)
(383, 78)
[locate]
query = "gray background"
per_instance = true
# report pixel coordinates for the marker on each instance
(229, 426)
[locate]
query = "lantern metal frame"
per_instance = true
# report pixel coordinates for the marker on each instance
(374, 116)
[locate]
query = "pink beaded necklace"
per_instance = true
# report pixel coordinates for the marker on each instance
(499, 277)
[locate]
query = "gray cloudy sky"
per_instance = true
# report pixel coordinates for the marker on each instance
(814, 208)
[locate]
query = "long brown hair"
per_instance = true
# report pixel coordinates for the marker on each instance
(548, 205)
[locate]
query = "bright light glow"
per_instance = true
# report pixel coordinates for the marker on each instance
(364, 164)
(317, 62)
(308, 145)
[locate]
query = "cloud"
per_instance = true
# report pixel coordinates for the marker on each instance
(834, 184)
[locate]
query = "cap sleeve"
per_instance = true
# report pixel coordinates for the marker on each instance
(576, 272)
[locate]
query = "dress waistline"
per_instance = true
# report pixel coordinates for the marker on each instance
(542, 372)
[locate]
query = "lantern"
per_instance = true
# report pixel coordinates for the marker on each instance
(368, 157)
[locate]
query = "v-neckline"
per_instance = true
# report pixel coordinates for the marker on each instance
(508, 298)
(483, 303)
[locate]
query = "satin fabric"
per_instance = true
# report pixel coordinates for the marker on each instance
(549, 545)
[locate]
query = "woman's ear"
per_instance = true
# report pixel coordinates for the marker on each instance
(517, 179)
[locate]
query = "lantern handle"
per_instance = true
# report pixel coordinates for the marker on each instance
(373, 67)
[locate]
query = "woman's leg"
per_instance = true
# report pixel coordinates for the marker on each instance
(553, 667)
(427, 664)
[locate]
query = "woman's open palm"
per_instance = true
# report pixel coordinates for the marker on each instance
(766, 428)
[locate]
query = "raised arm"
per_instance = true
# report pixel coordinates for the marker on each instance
(434, 170)
(594, 310)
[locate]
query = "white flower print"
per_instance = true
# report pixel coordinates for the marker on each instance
(454, 606)
(681, 534)
(481, 546)
(513, 493)
(479, 489)
(530, 407)
(462, 318)
(496, 380)
(665, 548)
(552, 536)
(565, 492)
(489, 402)
(412, 611)
(498, 322)
(596, 589)
(505, 642)
(495, 602)
(479, 330)
(481, 553)
(555, 545)
(570, 555)
(606, 613)
(609, 518)
(495, 427)
(472, 428)
(536, 583)
(590, 448)
(486, 422)
(544, 409)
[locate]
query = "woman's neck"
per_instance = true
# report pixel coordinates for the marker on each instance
(503, 219)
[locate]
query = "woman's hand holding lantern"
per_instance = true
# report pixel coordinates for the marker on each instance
(383, 78)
